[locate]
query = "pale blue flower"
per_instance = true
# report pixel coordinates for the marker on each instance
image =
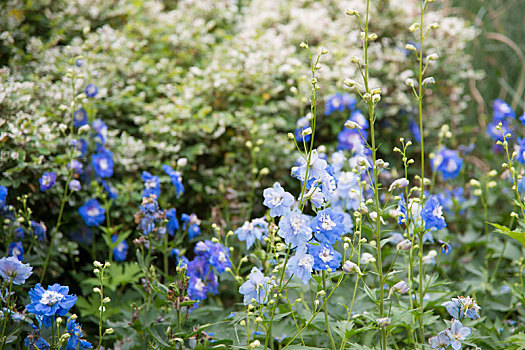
(277, 200)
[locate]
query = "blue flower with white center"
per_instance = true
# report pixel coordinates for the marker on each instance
(192, 223)
(359, 118)
(220, 258)
(334, 103)
(120, 252)
(302, 124)
(175, 178)
(328, 184)
(448, 163)
(432, 214)
(81, 145)
(461, 307)
(47, 181)
(13, 270)
(351, 140)
(100, 131)
(348, 194)
(328, 226)
(173, 223)
(502, 111)
(76, 166)
(197, 289)
(325, 256)
(440, 341)
(110, 189)
(74, 185)
(3, 196)
(102, 162)
(92, 213)
(349, 101)
(17, 250)
(151, 185)
(316, 167)
(39, 230)
(257, 287)
(53, 301)
(252, 231)
(80, 117)
(295, 228)
(415, 130)
(301, 265)
(91, 90)
(457, 333)
(494, 133)
(278, 200)
(75, 333)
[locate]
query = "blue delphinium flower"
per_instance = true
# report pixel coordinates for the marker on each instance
(494, 133)
(81, 145)
(360, 119)
(12, 270)
(252, 231)
(440, 341)
(220, 257)
(76, 166)
(39, 230)
(452, 199)
(348, 194)
(148, 215)
(55, 301)
(328, 226)
(278, 200)
(461, 307)
(173, 223)
(102, 162)
(334, 103)
(192, 223)
(522, 119)
(92, 213)
(202, 279)
(349, 101)
(432, 214)
(520, 150)
(80, 117)
(351, 140)
(120, 252)
(35, 341)
(325, 256)
(457, 333)
(75, 333)
(175, 178)
(111, 191)
(17, 250)
(416, 131)
(91, 90)
(295, 228)
(3, 196)
(74, 185)
(257, 287)
(47, 181)
(100, 131)
(316, 168)
(151, 185)
(301, 265)
(448, 163)
(502, 111)
(445, 247)
(301, 125)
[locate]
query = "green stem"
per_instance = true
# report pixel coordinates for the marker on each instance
(332, 342)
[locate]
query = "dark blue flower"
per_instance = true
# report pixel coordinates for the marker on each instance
(191, 222)
(3, 196)
(325, 256)
(432, 214)
(110, 189)
(100, 131)
(302, 124)
(12, 269)
(151, 185)
(102, 162)
(120, 252)
(91, 90)
(522, 119)
(173, 223)
(35, 341)
(448, 163)
(175, 177)
(80, 117)
(39, 230)
(416, 131)
(502, 111)
(334, 103)
(16, 249)
(76, 166)
(55, 301)
(220, 258)
(47, 181)
(92, 213)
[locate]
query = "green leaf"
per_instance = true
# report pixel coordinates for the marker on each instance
(517, 235)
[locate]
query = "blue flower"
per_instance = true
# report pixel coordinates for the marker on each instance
(100, 131)
(457, 333)
(448, 163)
(76, 166)
(257, 287)
(53, 301)
(334, 103)
(301, 265)
(328, 226)
(358, 117)
(440, 342)
(79, 62)
(197, 289)
(80, 117)
(502, 111)
(47, 181)
(497, 135)
(149, 215)
(325, 256)
(91, 90)
(173, 223)
(349, 101)
(81, 145)
(295, 228)
(520, 150)
(75, 333)
(74, 185)
(220, 258)
(277, 200)
(39, 230)
(191, 222)
(3, 196)
(461, 307)
(92, 213)
(302, 124)
(151, 185)
(416, 131)
(445, 247)
(316, 167)
(348, 194)
(17, 250)
(120, 252)
(102, 162)
(110, 189)
(522, 119)
(11, 269)
(252, 231)
(175, 177)
(35, 341)
(432, 214)
(351, 140)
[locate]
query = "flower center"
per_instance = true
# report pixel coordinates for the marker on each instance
(199, 285)
(306, 262)
(222, 257)
(93, 212)
(451, 165)
(103, 163)
(326, 255)
(327, 223)
(276, 199)
(296, 224)
(438, 211)
(51, 297)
